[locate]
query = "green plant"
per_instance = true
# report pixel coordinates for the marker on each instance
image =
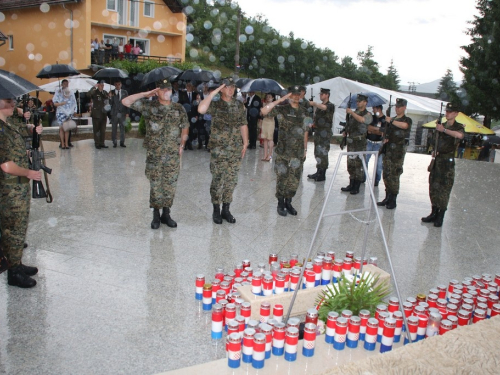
(346, 295)
(142, 126)
(128, 125)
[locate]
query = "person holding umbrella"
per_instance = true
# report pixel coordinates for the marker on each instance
(167, 129)
(100, 108)
(397, 128)
(442, 174)
(65, 103)
(15, 199)
(356, 141)
(228, 130)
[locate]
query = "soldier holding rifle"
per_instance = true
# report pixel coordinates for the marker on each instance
(394, 145)
(15, 193)
(442, 172)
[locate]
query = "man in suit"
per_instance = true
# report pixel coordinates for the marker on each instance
(253, 105)
(188, 100)
(100, 107)
(119, 113)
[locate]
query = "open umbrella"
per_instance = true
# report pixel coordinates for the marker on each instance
(495, 139)
(110, 74)
(83, 84)
(198, 75)
(373, 100)
(264, 85)
(242, 82)
(57, 71)
(159, 73)
(12, 86)
(471, 125)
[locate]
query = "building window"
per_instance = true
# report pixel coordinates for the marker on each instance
(11, 42)
(111, 5)
(134, 13)
(149, 9)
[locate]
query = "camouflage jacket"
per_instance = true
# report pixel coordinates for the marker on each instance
(100, 102)
(397, 135)
(227, 120)
(355, 128)
(293, 124)
(446, 143)
(164, 124)
(13, 146)
(323, 119)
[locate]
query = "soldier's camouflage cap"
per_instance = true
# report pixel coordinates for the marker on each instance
(401, 102)
(362, 97)
(302, 88)
(163, 84)
(229, 81)
(294, 89)
(325, 91)
(452, 107)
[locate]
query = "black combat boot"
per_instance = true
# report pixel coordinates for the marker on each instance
(385, 200)
(17, 277)
(289, 208)
(155, 224)
(321, 175)
(281, 207)
(226, 214)
(432, 217)
(391, 204)
(216, 215)
(166, 219)
(348, 187)
(355, 187)
(28, 270)
(438, 222)
(314, 175)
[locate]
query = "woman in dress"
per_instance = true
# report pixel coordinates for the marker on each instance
(64, 113)
(268, 124)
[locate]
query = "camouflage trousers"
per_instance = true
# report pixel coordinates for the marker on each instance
(288, 175)
(354, 163)
(14, 214)
(393, 169)
(162, 175)
(322, 139)
(224, 166)
(441, 180)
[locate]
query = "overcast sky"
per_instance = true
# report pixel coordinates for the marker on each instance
(423, 37)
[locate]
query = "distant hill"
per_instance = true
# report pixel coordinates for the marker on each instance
(427, 88)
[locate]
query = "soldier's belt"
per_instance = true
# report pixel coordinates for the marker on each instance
(17, 180)
(369, 140)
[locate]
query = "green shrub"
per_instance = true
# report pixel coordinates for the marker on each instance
(142, 126)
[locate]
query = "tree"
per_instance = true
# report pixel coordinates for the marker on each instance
(481, 65)
(368, 71)
(447, 90)
(391, 81)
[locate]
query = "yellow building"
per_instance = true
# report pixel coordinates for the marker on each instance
(39, 33)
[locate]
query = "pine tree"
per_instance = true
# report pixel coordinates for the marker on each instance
(447, 90)
(391, 78)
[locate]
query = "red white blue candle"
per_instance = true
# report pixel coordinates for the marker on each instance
(340, 333)
(279, 330)
(234, 350)
(398, 315)
(267, 285)
(413, 322)
(353, 332)
(265, 311)
(309, 341)
(371, 334)
(246, 311)
(278, 312)
(200, 281)
(267, 330)
(279, 286)
(364, 316)
(217, 324)
(317, 268)
(291, 343)
(257, 284)
(331, 324)
(388, 335)
(207, 297)
(326, 271)
(259, 350)
(247, 345)
(337, 270)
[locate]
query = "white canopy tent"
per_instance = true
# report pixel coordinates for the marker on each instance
(420, 109)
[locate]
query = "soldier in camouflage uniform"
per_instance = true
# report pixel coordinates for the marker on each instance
(291, 150)
(397, 129)
(15, 194)
(167, 130)
(100, 108)
(442, 173)
(228, 144)
(356, 141)
(323, 118)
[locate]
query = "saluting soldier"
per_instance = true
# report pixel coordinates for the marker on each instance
(100, 108)
(323, 119)
(291, 150)
(15, 196)
(442, 175)
(228, 144)
(167, 130)
(356, 141)
(398, 129)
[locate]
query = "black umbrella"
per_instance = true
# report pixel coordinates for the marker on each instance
(199, 75)
(264, 85)
(160, 73)
(110, 74)
(373, 100)
(12, 86)
(57, 71)
(242, 82)
(494, 139)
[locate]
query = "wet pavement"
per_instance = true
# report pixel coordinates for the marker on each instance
(115, 296)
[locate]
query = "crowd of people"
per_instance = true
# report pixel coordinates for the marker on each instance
(103, 53)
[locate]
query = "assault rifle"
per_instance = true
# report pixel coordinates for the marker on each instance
(436, 141)
(383, 149)
(343, 143)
